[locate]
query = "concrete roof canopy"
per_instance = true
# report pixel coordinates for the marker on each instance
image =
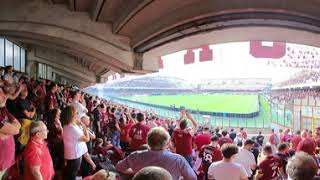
(128, 36)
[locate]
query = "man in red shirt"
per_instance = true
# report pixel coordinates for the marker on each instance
(138, 133)
(269, 168)
(286, 137)
(124, 132)
(39, 95)
(37, 159)
(244, 133)
(203, 138)
(307, 144)
(295, 141)
(224, 139)
(209, 154)
(182, 137)
(40, 89)
(51, 99)
(274, 140)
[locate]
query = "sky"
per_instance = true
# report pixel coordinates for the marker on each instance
(234, 61)
(230, 60)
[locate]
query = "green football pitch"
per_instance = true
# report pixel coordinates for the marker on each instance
(227, 103)
(215, 102)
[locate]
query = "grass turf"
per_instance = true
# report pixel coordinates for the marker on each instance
(261, 121)
(228, 103)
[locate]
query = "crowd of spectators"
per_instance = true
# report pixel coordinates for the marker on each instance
(50, 131)
(302, 62)
(304, 77)
(287, 95)
(153, 80)
(299, 56)
(306, 57)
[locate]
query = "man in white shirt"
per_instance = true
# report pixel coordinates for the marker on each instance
(227, 169)
(81, 110)
(246, 158)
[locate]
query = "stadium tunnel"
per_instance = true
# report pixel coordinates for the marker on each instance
(83, 41)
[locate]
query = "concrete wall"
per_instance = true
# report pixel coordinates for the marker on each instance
(63, 64)
(55, 26)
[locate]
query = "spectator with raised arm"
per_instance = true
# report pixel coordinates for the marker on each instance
(182, 137)
(74, 140)
(125, 126)
(9, 126)
(81, 109)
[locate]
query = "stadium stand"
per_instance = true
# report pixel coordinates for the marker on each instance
(148, 84)
(114, 141)
(153, 80)
(303, 77)
(239, 84)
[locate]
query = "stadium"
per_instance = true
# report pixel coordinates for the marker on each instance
(251, 101)
(225, 107)
(159, 90)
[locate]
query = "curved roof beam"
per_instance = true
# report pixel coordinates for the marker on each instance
(160, 22)
(217, 23)
(68, 41)
(55, 24)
